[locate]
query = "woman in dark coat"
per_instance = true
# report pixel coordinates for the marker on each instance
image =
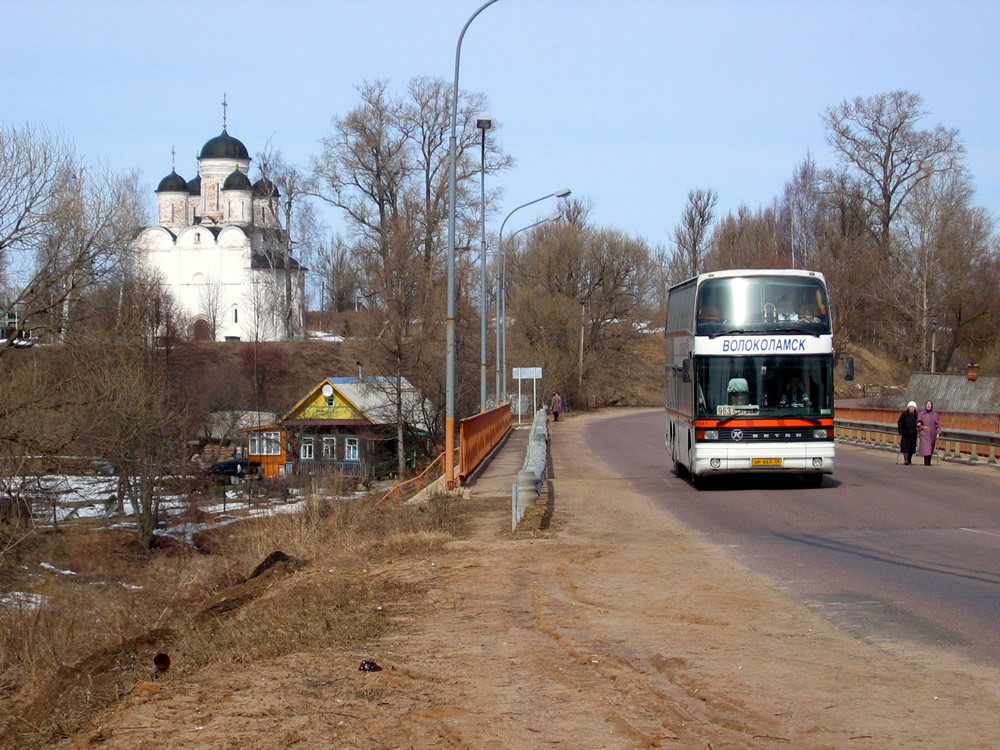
(908, 432)
(929, 426)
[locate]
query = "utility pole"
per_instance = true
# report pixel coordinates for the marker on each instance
(579, 377)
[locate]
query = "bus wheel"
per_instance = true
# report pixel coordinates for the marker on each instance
(680, 470)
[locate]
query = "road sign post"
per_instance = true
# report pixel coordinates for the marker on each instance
(524, 373)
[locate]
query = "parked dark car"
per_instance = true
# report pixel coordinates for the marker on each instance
(234, 467)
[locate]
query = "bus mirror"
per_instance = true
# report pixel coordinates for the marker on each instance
(848, 368)
(686, 370)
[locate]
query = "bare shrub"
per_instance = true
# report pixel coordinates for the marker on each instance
(106, 606)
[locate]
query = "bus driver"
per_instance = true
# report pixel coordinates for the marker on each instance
(794, 393)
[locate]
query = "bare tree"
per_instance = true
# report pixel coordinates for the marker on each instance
(800, 209)
(259, 319)
(339, 274)
(947, 244)
(211, 305)
(750, 239)
(428, 109)
(878, 140)
(134, 417)
(33, 166)
(63, 227)
(365, 164)
(580, 298)
(847, 257)
(39, 416)
(691, 235)
(297, 233)
(385, 166)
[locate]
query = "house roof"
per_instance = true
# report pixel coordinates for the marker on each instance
(955, 392)
(372, 396)
(227, 425)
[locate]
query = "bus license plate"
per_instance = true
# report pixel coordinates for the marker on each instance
(766, 462)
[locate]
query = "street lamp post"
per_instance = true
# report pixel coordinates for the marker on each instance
(449, 420)
(501, 304)
(484, 123)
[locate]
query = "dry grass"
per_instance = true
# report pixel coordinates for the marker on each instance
(94, 638)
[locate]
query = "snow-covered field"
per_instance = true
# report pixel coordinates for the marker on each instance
(324, 336)
(60, 498)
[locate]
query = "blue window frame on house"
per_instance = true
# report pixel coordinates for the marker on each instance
(352, 450)
(329, 448)
(307, 450)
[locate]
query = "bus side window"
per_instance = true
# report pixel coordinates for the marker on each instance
(708, 310)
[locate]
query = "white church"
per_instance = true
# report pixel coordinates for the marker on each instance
(220, 250)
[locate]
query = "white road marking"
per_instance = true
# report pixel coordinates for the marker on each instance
(977, 531)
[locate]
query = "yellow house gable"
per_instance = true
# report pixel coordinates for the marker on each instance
(315, 406)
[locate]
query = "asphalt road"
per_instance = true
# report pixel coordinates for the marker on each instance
(895, 554)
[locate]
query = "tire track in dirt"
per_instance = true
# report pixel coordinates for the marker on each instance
(648, 698)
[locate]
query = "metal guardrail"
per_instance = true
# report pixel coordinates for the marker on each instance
(524, 492)
(966, 446)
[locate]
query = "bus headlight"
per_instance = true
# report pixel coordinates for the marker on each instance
(716, 463)
(817, 462)
(711, 434)
(821, 434)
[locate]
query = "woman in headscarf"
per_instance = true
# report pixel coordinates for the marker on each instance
(908, 432)
(929, 427)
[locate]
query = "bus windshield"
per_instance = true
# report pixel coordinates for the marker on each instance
(773, 386)
(762, 304)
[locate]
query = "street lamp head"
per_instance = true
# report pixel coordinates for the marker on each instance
(562, 193)
(484, 122)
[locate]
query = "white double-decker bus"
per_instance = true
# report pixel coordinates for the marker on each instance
(749, 374)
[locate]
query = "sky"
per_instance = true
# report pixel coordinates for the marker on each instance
(629, 103)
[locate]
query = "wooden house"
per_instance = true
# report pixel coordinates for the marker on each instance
(346, 424)
(268, 445)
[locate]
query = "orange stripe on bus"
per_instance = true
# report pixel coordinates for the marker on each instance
(679, 415)
(787, 422)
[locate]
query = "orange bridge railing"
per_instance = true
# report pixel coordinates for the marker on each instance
(412, 486)
(479, 435)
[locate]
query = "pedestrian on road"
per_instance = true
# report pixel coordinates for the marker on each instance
(556, 406)
(929, 426)
(907, 425)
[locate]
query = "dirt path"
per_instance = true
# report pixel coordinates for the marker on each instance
(613, 628)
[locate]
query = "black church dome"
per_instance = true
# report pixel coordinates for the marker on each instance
(172, 183)
(237, 181)
(264, 188)
(224, 146)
